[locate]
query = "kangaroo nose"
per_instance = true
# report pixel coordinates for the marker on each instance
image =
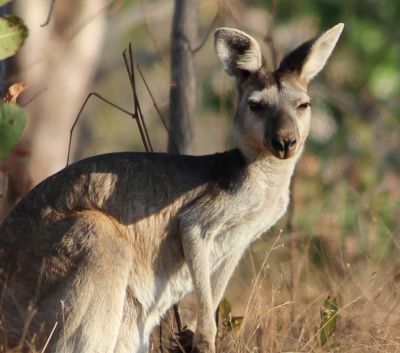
(283, 146)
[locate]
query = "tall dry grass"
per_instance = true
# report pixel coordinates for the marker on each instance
(281, 318)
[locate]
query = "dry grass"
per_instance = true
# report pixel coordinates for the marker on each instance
(280, 317)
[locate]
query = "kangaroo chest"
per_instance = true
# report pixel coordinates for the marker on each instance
(228, 231)
(241, 226)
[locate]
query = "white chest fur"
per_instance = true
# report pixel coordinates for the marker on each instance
(247, 223)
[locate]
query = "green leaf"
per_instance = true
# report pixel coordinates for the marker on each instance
(13, 33)
(12, 124)
(225, 309)
(233, 323)
(3, 2)
(229, 323)
(329, 315)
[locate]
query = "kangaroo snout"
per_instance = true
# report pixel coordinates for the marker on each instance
(282, 135)
(284, 146)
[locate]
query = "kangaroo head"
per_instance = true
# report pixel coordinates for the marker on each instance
(273, 115)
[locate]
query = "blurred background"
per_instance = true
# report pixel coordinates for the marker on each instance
(341, 238)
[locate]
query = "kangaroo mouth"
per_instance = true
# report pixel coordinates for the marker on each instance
(284, 154)
(281, 151)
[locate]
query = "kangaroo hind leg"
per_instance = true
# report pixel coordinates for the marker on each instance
(131, 337)
(95, 297)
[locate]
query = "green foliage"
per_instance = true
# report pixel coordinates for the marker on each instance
(13, 33)
(12, 124)
(329, 315)
(229, 322)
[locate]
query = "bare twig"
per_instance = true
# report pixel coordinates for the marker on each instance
(260, 339)
(269, 37)
(212, 26)
(128, 59)
(160, 347)
(80, 112)
(137, 114)
(49, 338)
(235, 17)
(136, 99)
(49, 14)
(218, 338)
(140, 120)
(164, 123)
(178, 319)
(116, 6)
(151, 34)
(88, 20)
(261, 274)
(31, 99)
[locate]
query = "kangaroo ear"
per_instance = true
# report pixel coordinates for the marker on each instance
(309, 58)
(237, 51)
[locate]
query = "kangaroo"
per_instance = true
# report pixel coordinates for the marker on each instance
(93, 257)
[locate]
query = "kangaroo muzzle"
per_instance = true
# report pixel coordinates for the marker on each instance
(283, 137)
(284, 147)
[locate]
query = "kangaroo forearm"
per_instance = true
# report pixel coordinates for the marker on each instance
(196, 253)
(221, 276)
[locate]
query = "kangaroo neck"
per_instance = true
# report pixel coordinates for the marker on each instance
(273, 172)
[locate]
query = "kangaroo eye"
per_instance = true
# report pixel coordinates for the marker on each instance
(303, 106)
(255, 105)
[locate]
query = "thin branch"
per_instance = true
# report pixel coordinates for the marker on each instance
(157, 109)
(152, 98)
(151, 34)
(129, 64)
(141, 119)
(49, 338)
(217, 318)
(212, 26)
(88, 20)
(269, 37)
(49, 14)
(31, 99)
(80, 112)
(131, 75)
(137, 114)
(136, 99)
(260, 339)
(178, 319)
(116, 6)
(160, 347)
(235, 17)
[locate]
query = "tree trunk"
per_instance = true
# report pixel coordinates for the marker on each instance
(183, 80)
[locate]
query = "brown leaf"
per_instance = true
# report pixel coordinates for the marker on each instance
(13, 92)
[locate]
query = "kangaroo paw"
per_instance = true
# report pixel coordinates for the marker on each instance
(182, 341)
